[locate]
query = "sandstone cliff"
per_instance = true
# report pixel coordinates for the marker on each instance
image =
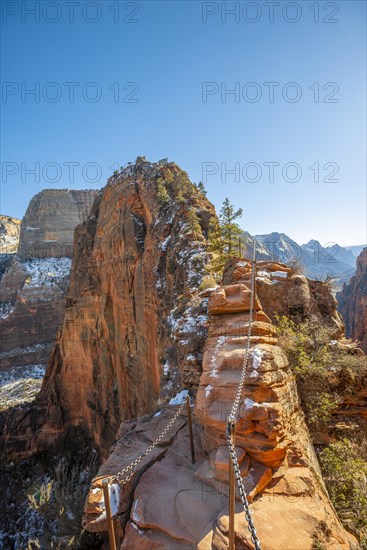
(131, 310)
(280, 471)
(48, 225)
(33, 290)
(353, 303)
(9, 234)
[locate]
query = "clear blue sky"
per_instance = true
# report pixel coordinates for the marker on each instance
(168, 53)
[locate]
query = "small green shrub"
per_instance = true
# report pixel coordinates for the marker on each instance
(307, 346)
(207, 282)
(345, 473)
(60, 503)
(162, 193)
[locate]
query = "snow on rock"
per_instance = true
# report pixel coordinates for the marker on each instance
(6, 309)
(208, 389)
(20, 385)
(283, 274)
(46, 271)
(179, 398)
(17, 373)
(165, 243)
(220, 343)
(135, 516)
(257, 354)
(166, 368)
(250, 404)
(23, 351)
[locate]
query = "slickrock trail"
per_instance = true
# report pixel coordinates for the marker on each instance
(172, 504)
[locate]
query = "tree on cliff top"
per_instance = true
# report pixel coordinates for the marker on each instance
(224, 236)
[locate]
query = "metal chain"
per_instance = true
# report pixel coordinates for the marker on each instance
(233, 417)
(119, 477)
(237, 472)
(234, 411)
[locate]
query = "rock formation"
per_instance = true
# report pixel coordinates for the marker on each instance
(47, 228)
(9, 234)
(289, 502)
(285, 292)
(353, 303)
(129, 321)
(33, 283)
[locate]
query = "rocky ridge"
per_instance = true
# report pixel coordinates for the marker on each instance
(134, 323)
(353, 303)
(276, 456)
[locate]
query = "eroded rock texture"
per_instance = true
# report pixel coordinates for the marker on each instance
(9, 234)
(283, 292)
(353, 303)
(47, 228)
(138, 262)
(33, 283)
(170, 503)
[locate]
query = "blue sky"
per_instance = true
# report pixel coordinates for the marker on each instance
(167, 110)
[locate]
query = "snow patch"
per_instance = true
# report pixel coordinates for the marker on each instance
(208, 389)
(179, 398)
(282, 274)
(257, 355)
(250, 404)
(135, 516)
(6, 309)
(46, 271)
(165, 243)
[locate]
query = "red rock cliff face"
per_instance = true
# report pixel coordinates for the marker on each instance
(135, 258)
(353, 302)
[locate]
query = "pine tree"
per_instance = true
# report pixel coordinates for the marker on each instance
(193, 222)
(224, 236)
(200, 186)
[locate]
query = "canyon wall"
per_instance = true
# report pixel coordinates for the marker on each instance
(48, 225)
(33, 285)
(138, 262)
(353, 303)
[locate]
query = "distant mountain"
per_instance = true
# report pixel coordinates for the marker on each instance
(356, 249)
(317, 261)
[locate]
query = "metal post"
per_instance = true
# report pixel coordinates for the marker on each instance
(111, 532)
(232, 495)
(255, 291)
(190, 430)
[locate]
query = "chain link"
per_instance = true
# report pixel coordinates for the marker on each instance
(237, 472)
(233, 417)
(236, 403)
(131, 468)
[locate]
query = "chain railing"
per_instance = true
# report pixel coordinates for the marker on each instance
(119, 477)
(234, 469)
(125, 474)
